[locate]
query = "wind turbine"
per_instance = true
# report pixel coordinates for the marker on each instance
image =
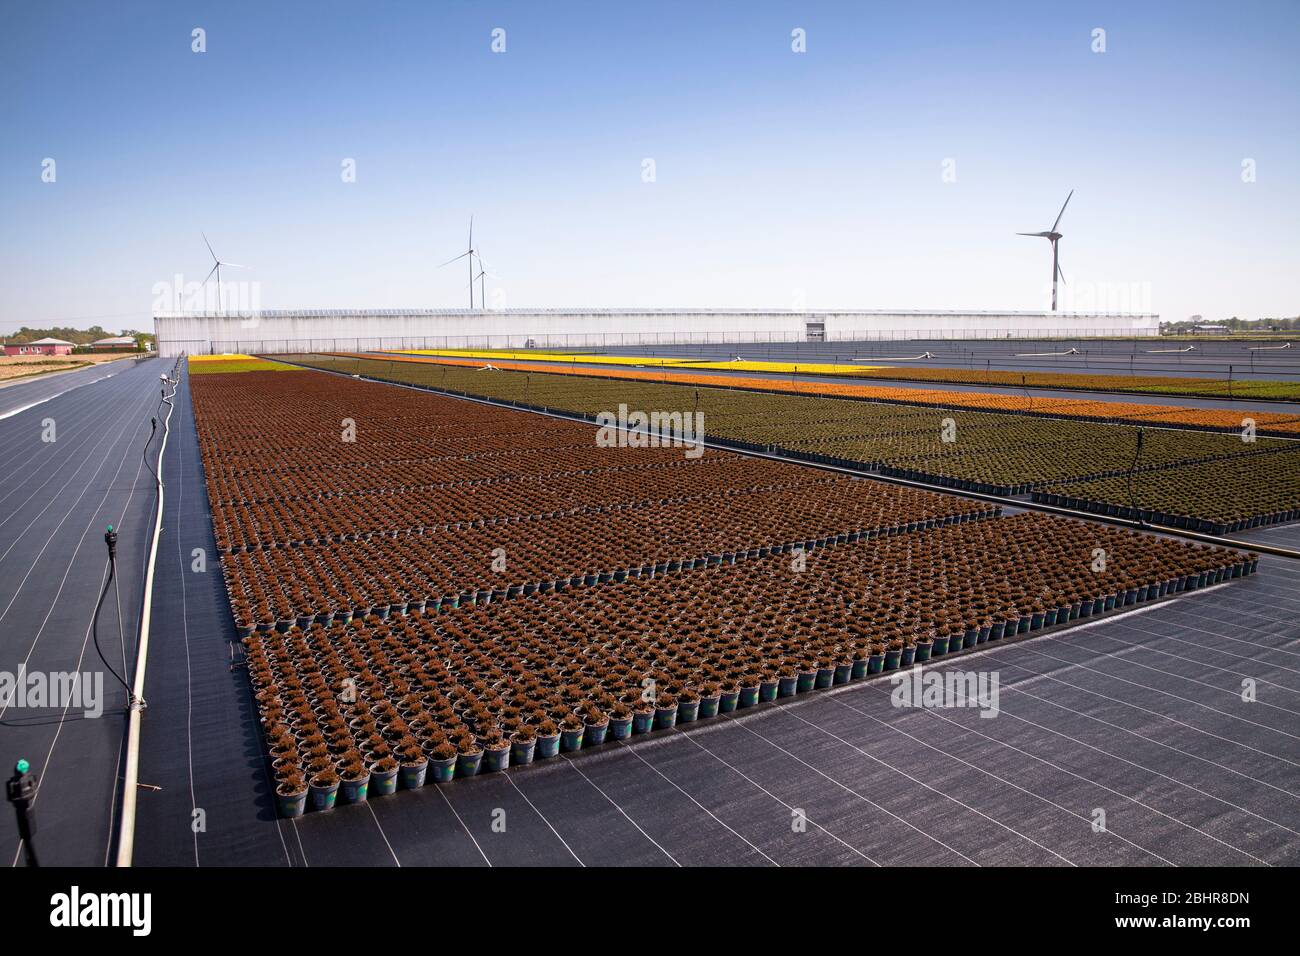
(216, 267)
(471, 254)
(1053, 237)
(482, 271)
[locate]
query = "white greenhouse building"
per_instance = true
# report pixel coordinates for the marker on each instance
(386, 329)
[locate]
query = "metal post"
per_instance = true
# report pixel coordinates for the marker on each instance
(20, 790)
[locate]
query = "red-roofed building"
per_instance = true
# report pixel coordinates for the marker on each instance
(39, 347)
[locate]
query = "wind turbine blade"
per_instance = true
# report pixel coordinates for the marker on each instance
(471, 233)
(214, 269)
(233, 265)
(1062, 212)
(1060, 273)
(209, 245)
(457, 259)
(1041, 235)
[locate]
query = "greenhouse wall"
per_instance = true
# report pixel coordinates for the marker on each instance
(353, 330)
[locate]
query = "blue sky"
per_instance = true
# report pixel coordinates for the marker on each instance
(781, 179)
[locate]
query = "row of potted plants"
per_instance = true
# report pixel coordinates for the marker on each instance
(522, 382)
(993, 453)
(457, 567)
(292, 557)
(1265, 491)
(357, 708)
(253, 524)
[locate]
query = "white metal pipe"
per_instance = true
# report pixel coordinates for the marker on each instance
(131, 775)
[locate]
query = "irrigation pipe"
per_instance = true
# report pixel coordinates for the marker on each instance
(1003, 500)
(131, 775)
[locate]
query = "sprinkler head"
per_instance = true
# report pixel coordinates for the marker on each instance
(22, 766)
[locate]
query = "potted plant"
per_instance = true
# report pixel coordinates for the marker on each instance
(710, 697)
(291, 794)
(469, 755)
(620, 721)
(729, 695)
(688, 705)
(356, 780)
(856, 656)
(807, 678)
(643, 715)
(496, 750)
(523, 744)
(924, 646)
(571, 729)
(595, 725)
(324, 789)
(548, 738)
(383, 776)
(749, 689)
(787, 683)
(414, 764)
(442, 761)
(665, 709)
(908, 656)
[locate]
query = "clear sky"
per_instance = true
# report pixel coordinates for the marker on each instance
(782, 179)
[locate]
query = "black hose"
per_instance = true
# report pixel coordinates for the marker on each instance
(94, 624)
(144, 454)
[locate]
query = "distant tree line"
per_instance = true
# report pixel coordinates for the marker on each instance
(75, 336)
(1234, 324)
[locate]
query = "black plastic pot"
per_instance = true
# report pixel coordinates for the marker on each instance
(291, 804)
(382, 783)
(495, 759)
(413, 775)
(323, 797)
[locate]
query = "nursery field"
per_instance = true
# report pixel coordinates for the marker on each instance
(509, 682)
(1265, 489)
(1139, 703)
(410, 512)
(1250, 388)
(996, 452)
(444, 589)
(1280, 423)
(209, 364)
